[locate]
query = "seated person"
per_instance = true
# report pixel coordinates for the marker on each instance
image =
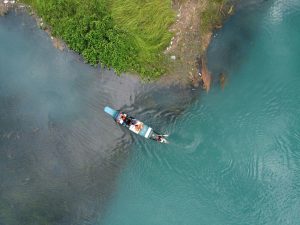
(122, 118)
(138, 126)
(128, 121)
(159, 138)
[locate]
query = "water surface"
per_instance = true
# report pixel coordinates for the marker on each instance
(60, 155)
(234, 156)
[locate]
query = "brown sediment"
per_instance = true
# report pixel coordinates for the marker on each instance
(222, 80)
(57, 42)
(188, 46)
(187, 43)
(206, 76)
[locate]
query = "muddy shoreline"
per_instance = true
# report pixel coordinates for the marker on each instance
(190, 43)
(157, 102)
(187, 49)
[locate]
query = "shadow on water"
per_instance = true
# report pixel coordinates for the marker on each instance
(231, 45)
(59, 153)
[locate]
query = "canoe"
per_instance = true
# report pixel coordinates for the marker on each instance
(135, 125)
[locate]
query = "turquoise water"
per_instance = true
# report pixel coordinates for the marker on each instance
(234, 153)
(234, 156)
(60, 154)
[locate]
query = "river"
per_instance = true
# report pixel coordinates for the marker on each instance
(234, 153)
(234, 156)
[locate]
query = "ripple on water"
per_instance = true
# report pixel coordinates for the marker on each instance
(54, 134)
(282, 9)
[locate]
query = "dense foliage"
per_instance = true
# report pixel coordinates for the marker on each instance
(126, 35)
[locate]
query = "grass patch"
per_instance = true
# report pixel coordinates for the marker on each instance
(127, 35)
(148, 23)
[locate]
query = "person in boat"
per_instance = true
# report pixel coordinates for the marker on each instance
(126, 119)
(122, 118)
(159, 138)
(129, 121)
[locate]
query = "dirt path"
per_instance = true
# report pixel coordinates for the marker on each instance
(187, 45)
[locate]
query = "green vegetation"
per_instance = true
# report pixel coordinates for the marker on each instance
(127, 35)
(213, 15)
(148, 22)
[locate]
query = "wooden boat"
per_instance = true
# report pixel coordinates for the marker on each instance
(135, 125)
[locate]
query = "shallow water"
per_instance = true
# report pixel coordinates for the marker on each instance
(234, 156)
(59, 153)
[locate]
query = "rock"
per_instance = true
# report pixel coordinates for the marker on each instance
(173, 57)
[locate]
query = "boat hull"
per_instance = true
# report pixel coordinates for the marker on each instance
(137, 126)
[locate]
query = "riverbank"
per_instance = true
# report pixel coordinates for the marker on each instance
(182, 61)
(82, 149)
(5, 6)
(193, 29)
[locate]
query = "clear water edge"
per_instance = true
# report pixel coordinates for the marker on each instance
(234, 156)
(60, 154)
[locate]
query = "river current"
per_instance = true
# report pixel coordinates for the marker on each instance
(234, 153)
